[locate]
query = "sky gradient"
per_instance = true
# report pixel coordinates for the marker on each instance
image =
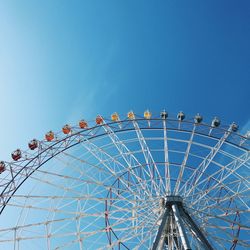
(61, 61)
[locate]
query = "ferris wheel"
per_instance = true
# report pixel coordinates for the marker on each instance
(139, 182)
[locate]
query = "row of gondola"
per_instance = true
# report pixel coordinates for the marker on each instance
(66, 129)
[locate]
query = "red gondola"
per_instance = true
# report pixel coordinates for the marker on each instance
(33, 144)
(66, 129)
(2, 167)
(16, 155)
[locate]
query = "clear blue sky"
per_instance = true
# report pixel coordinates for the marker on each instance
(65, 60)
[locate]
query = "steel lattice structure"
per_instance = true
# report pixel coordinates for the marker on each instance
(134, 183)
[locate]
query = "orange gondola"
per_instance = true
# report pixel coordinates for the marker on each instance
(99, 120)
(49, 136)
(66, 129)
(83, 124)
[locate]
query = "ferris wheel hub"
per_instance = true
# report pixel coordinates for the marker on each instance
(173, 199)
(175, 220)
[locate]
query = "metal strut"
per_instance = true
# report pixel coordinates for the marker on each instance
(160, 238)
(183, 236)
(192, 225)
(175, 222)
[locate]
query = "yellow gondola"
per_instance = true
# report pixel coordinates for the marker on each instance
(131, 115)
(115, 117)
(147, 114)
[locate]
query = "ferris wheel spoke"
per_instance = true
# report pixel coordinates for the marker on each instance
(92, 197)
(229, 241)
(217, 200)
(223, 208)
(217, 196)
(104, 158)
(102, 176)
(236, 187)
(68, 244)
(233, 186)
(137, 236)
(233, 166)
(229, 212)
(230, 169)
(145, 238)
(126, 154)
(72, 188)
(195, 177)
(49, 173)
(149, 159)
(128, 234)
(243, 226)
(215, 188)
(142, 211)
(166, 159)
(59, 211)
(184, 162)
(101, 180)
(220, 231)
(84, 235)
(118, 242)
(223, 212)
